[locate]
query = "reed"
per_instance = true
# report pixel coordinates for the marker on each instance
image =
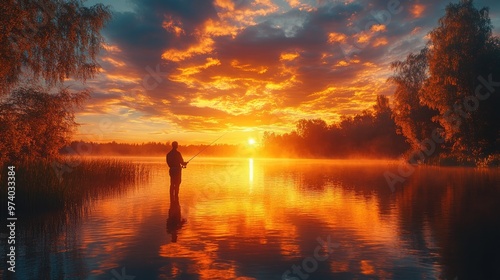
(40, 189)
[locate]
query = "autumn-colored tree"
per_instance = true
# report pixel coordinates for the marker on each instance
(464, 67)
(414, 120)
(36, 124)
(44, 42)
(49, 39)
(451, 87)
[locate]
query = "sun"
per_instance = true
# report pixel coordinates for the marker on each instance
(251, 141)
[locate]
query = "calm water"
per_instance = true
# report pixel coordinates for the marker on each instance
(276, 219)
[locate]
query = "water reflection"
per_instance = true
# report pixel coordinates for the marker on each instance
(449, 216)
(257, 219)
(174, 220)
(250, 170)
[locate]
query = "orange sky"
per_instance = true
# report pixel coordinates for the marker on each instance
(191, 71)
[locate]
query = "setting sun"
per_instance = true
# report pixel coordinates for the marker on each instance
(251, 141)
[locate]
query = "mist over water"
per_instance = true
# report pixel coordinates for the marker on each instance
(270, 218)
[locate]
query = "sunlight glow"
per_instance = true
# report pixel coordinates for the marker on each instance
(250, 173)
(251, 141)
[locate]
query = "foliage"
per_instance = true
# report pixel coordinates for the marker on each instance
(449, 87)
(412, 117)
(463, 49)
(51, 39)
(36, 124)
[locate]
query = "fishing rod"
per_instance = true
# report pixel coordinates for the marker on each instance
(207, 147)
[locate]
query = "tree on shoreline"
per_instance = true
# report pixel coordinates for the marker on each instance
(414, 120)
(36, 124)
(49, 39)
(444, 87)
(43, 43)
(463, 50)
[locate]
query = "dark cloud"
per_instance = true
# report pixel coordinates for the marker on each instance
(336, 12)
(141, 36)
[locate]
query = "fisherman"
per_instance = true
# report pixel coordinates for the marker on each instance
(176, 163)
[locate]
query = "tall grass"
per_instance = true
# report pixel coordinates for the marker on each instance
(40, 189)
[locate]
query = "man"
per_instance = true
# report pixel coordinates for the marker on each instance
(176, 163)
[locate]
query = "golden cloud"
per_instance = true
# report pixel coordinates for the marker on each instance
(336, 37)
(382, 41)
(293, 3)
(174, 26)
(204, 46)
(187, 71)
(115, 62)
(247, 67)
(111, 48)
(417, 10)
(225, 4)
(378, 28)
(289, 56)
(363, 38)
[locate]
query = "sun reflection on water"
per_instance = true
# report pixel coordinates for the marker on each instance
(250, 172)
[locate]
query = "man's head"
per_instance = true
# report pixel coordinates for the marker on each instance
(175, 145)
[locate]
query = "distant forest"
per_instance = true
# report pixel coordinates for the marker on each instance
(147, 149)
(373, 133)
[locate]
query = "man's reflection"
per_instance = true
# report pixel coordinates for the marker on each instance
(174, 221)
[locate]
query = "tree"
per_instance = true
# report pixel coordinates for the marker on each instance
(314, 135)
(413, 119)
(36, 124)
(49, 39)
(385, 139)
(463, 51)
(381, 106)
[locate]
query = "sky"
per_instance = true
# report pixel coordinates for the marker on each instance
(193, 70)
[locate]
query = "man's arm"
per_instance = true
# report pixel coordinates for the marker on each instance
(183, 163)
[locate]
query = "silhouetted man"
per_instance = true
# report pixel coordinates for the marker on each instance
(176, 163)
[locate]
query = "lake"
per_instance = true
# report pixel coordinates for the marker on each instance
(275, 219)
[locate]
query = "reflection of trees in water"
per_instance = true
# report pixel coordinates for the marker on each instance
(448, 217)
(48, 246)
(453, 213)
(48, 242)
(364, 179)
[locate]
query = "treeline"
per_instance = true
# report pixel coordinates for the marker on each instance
(146, 149)
(373, 133)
